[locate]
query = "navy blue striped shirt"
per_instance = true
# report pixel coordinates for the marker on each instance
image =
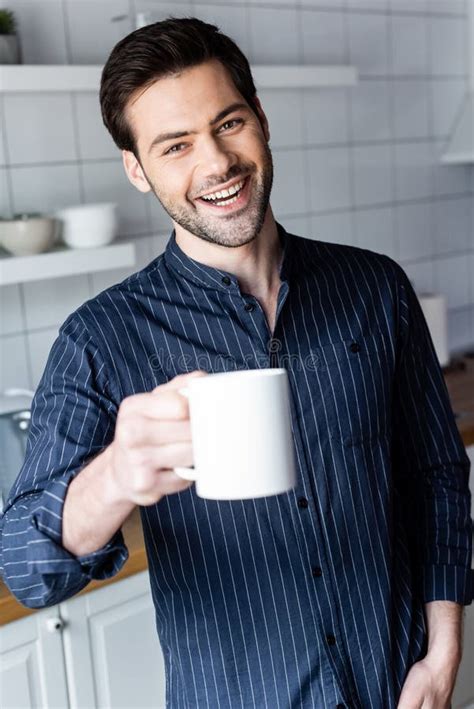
(312, 598)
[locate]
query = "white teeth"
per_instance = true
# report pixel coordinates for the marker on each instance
(228, 201)
(234, 189)
(225, 193)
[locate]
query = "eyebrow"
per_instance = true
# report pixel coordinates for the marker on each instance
(163, 137)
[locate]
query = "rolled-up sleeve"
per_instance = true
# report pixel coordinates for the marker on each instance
(72, 419)
(431, 466)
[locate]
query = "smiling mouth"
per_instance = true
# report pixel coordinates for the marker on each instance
(224, 198)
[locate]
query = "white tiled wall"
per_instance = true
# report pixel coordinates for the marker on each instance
(357, 166)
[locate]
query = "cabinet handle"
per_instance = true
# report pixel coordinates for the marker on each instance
(55, 625)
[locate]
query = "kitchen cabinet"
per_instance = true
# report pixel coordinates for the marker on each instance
(99, 649)
(463, 697)
(113, 656)
(32, 669)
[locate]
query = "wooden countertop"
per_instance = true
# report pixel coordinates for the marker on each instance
(460, 382)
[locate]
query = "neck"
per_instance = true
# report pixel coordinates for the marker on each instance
(256, 264)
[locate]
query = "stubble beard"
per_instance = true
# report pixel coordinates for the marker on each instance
(230, 230)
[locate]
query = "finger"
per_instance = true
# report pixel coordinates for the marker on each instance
(166, 483)
(181, 379)
(162, 404)
(170, 482)
(172, 455)
(164, 401)
(144, 432)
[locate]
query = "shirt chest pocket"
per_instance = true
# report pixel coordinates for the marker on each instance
(354, 383)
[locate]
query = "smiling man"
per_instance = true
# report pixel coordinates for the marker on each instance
(346, 591)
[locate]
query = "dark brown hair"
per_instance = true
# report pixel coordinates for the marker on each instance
(163, 49)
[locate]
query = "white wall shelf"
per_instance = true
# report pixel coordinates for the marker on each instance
(65, 262)
(36, 78)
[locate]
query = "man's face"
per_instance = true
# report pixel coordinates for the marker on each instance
(195, 137)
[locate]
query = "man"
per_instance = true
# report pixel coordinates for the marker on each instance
(344, 592)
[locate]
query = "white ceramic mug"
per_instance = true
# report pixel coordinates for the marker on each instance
(241, 434)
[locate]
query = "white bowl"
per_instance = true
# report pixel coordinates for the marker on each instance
(27, 235)
(89, 225)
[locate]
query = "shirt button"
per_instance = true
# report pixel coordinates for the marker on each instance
(355, 347)
(317, 572)
(226, 280)
(330, 639)
(249, 307)
(303, 503)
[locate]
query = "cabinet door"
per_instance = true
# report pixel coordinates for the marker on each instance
(464, 692)
(32, 670)
(113, 655)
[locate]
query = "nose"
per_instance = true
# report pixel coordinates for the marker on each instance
(215, 159)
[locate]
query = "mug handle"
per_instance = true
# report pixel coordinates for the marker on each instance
(186, 473)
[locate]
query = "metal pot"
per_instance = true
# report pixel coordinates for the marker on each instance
(14, 425)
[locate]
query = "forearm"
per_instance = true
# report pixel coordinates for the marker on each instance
(93, 511)
(430, 681)
(444, 626)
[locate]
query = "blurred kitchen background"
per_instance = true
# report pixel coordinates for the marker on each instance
(358, 165)
(385, 163)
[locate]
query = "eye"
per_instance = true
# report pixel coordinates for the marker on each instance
(232, 123)
(175, 148)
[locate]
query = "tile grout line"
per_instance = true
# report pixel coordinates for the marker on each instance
(432, 224)
(391, 121)
(354, 232)
(29, 364)
(67, 34)
(6, 150)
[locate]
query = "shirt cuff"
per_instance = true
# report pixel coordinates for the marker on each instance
(448, 583)
(45, 553)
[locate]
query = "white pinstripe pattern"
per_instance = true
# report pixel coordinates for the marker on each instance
(307, 444)
(242, 620)
(249, 537)
(209, 589)
(367, 542)
(256, 573)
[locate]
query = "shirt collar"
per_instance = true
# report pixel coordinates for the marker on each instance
(210, 277)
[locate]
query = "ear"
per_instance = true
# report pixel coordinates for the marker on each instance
(263, 118)
(134, 171)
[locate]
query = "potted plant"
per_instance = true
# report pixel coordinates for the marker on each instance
(9, 45)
